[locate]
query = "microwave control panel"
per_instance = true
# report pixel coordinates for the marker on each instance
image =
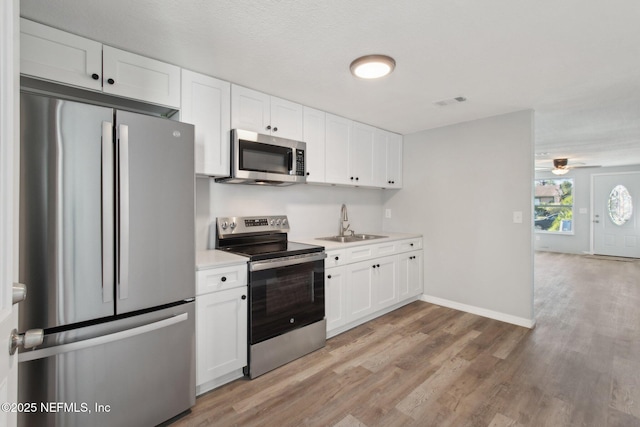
(300, 162)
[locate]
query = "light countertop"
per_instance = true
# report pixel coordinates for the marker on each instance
(214, 258)
(329, 245)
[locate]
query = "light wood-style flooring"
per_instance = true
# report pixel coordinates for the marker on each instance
(426, 365)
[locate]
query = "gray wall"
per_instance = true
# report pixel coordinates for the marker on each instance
(462, 184)
(580, 241)
(313, 211)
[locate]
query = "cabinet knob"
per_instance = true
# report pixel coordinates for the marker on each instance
(329, 277)
(308, 173)
(357, 178)
(378, 265)
(373, 266)
(111, 81)
(337, 258)
(223, 279)
(244, 297)
(269, 127)
(275, 129)
(95, 76)
(411, 244)
(351, 178)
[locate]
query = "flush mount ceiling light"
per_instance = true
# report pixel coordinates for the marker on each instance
(372, 66)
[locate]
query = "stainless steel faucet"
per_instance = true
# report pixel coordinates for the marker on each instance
(344, 218)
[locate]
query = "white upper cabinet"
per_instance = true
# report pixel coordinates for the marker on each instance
(337, 140)
(258, 112)
(52, 54)
(394, 160)
(55, 55)
(206, 103)
(138, 77)
(361, 155)
(314, 136)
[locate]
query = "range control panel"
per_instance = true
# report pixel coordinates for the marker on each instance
(252, 224)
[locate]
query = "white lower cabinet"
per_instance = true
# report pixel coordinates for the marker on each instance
(335, 297)
(411, 276)
(221, 333)
(366, 281)
(360, 290)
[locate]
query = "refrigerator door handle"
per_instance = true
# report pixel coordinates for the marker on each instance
(92, 342)
(108, 213)
(123, 270)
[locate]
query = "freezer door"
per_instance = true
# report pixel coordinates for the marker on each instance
(66, 179)
(137, 371)
(156, 225)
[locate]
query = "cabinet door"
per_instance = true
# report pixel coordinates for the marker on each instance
(337, 140)
(286, 119)
(379, 158)
(386, 281)
(250, 110)
(361, 155)
(314, 135)
(335, 298)
(138, 77)
(360, 291)
(221, 333)
(411, 274)
(394, 160)
(206, 103)
(55, 55)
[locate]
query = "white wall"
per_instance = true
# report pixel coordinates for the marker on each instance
(462, 184)
(580, 241)
(313, 211)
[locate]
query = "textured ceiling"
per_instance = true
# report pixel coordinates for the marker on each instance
(575, 62)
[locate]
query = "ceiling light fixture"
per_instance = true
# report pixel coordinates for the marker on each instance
(558, 171)
(372, 66)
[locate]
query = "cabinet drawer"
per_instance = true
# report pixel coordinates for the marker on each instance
(217, 279)
(335, 258)
(409, 245)
(388, 248)
(360, 253)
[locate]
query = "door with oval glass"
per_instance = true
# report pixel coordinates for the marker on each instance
(616, 227)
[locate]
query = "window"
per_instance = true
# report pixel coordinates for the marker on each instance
(553, 205)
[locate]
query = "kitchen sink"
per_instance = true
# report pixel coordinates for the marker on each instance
(351, 239)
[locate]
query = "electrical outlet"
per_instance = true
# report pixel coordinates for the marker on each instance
(387, 213)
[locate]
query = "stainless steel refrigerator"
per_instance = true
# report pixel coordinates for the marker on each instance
(107, 253)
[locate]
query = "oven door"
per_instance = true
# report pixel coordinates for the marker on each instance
(285, 294)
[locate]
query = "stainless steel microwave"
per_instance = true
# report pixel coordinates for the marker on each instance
(266, 160)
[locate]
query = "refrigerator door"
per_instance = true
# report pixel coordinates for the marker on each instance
(66, 179)
(136, 371)
(156, 225)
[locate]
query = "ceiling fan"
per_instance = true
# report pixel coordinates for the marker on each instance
(562, 166)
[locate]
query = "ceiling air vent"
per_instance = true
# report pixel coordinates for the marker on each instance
(450, 101)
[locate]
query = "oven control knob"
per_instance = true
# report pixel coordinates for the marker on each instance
(232, 225)
(272, 222)
(292, 320)
(284, 222)
(278, 222)
(224, 225)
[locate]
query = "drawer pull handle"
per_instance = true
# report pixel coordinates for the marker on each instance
(244, 297)
(337, 258)
(329, 277)
(223, 279)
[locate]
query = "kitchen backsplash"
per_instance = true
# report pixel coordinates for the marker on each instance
(313, 211)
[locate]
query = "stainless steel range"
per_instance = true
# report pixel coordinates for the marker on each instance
(286, 290)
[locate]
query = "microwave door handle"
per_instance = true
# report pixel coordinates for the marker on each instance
(291, 162)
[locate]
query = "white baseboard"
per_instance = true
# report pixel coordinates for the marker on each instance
(515, 320)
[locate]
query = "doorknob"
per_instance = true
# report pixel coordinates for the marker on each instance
(30, 339)
(19, 292)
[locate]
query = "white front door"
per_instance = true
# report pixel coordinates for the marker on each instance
(616, 224)
(9, 11)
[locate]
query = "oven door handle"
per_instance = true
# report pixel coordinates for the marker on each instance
(285, 262)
